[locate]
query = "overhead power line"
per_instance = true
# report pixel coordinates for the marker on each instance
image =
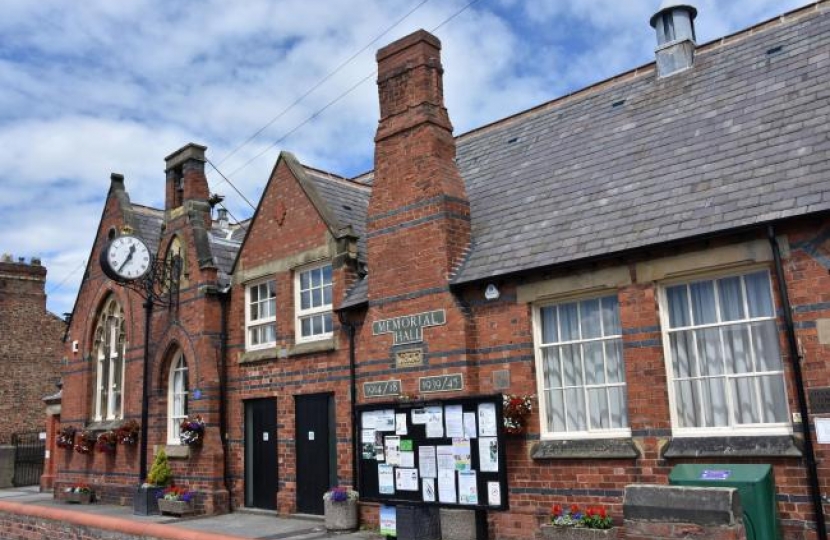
(321, 82)
(330, 103)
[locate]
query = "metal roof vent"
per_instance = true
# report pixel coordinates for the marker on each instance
(674, 23)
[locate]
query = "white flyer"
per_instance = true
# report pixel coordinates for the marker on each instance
(392, 445)
(446, 486)
(488, 454)
(419, 417)
(470, 425)
(487, 426)
(446, 458)
(367, 420)
(367, 436)
(386, 479)
(385, 420)
(493, 493)
(461, 454)
(435, 421)
(400, 424)
(428, 491)
(426, 462)
(454, 418)
(467, 487)
(406, 479)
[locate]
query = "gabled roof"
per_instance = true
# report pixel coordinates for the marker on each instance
(147, 222)
(740, 139)
(348, 202)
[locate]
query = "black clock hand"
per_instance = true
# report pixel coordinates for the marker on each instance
(130, 256)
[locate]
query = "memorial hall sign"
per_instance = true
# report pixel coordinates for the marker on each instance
(409, 328)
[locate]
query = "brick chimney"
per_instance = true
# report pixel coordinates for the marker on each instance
(419, 215)
(186, 179)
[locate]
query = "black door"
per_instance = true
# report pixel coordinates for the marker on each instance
(315, 451)
(261, 454)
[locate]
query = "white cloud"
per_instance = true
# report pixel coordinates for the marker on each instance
(101, 86)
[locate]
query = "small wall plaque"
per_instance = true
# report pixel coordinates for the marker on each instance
(501, 379)
(409, 358)
(819, 400)
(441, 383)
(382, 388)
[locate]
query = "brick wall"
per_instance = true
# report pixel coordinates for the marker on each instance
(30, 349)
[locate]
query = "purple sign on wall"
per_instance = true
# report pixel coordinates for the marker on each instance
(715, 474)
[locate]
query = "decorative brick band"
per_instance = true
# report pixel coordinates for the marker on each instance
(420, 204)
(415, 222)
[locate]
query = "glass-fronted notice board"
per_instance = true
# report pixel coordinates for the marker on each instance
(447, 452)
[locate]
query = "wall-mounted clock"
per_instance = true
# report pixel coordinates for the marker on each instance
(126, 258)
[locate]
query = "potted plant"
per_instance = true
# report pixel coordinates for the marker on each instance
(106, 442)
(66, 437)
(85, 442)
(176, 500)
(147, 494)
(340, 509)
(192, 431)
(79, 494)
(127, 433)
(515, 411)
(573, 524)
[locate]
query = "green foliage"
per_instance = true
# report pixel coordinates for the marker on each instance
(160, 473)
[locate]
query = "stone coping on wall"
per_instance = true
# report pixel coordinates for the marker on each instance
(762, 446)
(709, 506)
(129, 528)
(619, 448)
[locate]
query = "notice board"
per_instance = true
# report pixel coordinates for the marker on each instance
(447, 452)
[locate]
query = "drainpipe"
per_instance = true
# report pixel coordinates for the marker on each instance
(224, 300)
(350, 330)
(795, 356)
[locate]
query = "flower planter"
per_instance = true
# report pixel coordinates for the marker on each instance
(79, 498)
(177, 508)
(340, 516)
(556, 532)
(145, 501)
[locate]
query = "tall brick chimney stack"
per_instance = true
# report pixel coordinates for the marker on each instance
(186, 180)
(419, 215)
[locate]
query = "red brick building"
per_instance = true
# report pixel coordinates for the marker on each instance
(647, 256)
(30, 348)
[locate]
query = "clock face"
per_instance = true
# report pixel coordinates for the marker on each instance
(126, 259)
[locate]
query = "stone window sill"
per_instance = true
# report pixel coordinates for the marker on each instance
(103, 425)
(745, 446)
(323, 345)
(621, 448)
(260, 355)
(177, 451)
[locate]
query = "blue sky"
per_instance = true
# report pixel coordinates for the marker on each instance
(94, 87)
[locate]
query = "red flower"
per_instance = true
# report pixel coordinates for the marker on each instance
(602, 513)
(574, 509)
(590, 511)
(557, 510)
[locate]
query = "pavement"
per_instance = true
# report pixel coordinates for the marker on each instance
(254, 524)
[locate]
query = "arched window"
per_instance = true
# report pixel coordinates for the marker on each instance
(109, 351)
(177, 390)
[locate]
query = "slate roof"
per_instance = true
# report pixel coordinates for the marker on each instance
(148, 225)
(740, 139)
(348, 202)
(224, 244)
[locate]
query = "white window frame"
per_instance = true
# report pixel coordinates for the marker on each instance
(263, 321)
(538, 347)
(300, 314)
(782, 428)
(109, 333)
(178, 368)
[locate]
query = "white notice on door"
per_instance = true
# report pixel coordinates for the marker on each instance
(265, 436)
(310, 435)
